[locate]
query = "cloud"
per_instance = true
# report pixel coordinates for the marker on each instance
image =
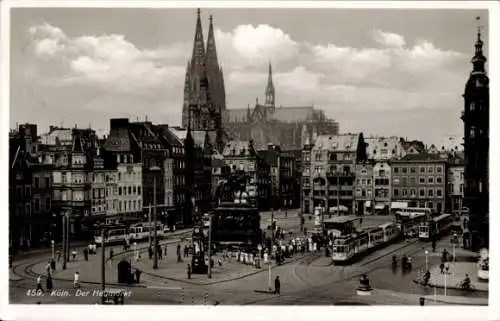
(109, 61)
(395, 76)
(249, 45)
(388, 38)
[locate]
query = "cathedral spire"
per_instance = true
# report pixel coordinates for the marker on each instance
(270, 99)
(211, 54)
(198, 58)
(479, 60)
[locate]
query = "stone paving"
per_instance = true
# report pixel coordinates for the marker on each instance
(456, 275)
(90, 271)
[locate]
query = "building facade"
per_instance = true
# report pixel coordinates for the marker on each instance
(332, 172)
(204, 104)
(455, 179)
(419, 180)
(382, 183)
(364, 184)
(476, 147)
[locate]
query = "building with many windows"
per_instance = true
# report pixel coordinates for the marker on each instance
(455, 179)
(364, 193)
(382, 182)
(332, 171)
(419, 180)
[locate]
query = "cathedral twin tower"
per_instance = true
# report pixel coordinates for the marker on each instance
(204, 105)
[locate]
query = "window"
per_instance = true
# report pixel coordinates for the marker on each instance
(439, 180)
(430, 180)
(404, 180)
(120, 190)
(422, 169)
(134, 189)
(461, 188)
(439, 192)
(421, 192)
(405, 170)
(37, 182)
(472, 105)
(430, 169)
(413, 170)
(396, 192)
(333, 156)
(413, 180)
(430, 205)
(430, 192)
(405, 192)
(422, 180)
(47, 181)
(396, 170)
(472, 131)
(439, 169)
(138, 190)
(119, 176)
(129, 190)
(369, 181)
(413, 192)
(450, 188)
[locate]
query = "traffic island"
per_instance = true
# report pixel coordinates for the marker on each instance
(454, 277)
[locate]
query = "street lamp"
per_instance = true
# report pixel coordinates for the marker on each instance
(209, 270)
(64, 238)
(426, 260)
(53, 249)
(155, 169)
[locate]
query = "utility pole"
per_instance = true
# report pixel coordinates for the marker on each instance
(209, 270)
(64, 240)
(338, 193)
(155, 264)
(103, 265)
(155, 170)
(149, 228)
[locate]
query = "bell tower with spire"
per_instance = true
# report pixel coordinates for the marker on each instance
(270, 94)
(476, 146)
(204, 104)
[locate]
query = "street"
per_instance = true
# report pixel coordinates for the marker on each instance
(310, 279)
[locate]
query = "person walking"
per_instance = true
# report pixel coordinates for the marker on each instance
(86, 254)
(165, 250)
(138, 275)
(441, 267)
(447, 267)
(39, 286)
(76, 280)
(150, 252)
(49, 283)
(73, 253)
(189, 271)
(277, 285)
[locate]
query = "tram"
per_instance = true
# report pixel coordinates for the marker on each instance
(348, 248)
(435, 227)
(410, 221)
(113, 236)
(141, 231)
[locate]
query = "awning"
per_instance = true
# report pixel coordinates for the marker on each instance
(379, 206)
(399, 205)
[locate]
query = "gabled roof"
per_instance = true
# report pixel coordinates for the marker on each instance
(337, 143)
(119, 140)
(57, 137)
(391, 146)
(167, 134)
(293, 114)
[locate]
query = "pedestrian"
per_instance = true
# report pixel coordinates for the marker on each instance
(165, 250)
(159, 251)
(433, 245)
(441, 267)
(138, 275)
(447, 267)
(86, 254)
(150, 252)
(49, 283)
(39, 283)
(185, 251)
(52, 264)
(277, 285)
(58, 255)
(48, 268)
(73, 253)
(178, 249)
(76, 280)
(189, 271)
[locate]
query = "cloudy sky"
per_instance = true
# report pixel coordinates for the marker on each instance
(384, 72)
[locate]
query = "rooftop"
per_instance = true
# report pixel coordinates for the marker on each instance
(338, 143)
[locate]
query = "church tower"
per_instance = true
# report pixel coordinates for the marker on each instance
(476, 144)
(270, 94)
(204, 106)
